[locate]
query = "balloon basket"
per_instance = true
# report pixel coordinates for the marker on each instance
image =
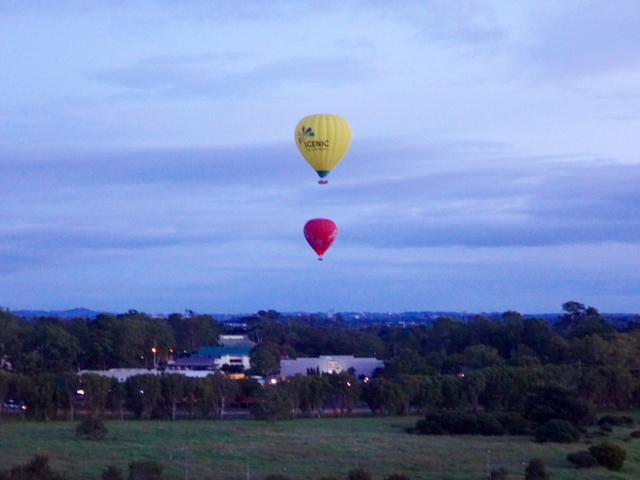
(323, 182)
(319, 259)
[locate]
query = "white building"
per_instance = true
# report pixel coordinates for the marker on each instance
(329, 364)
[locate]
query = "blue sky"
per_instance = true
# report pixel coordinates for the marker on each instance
(148, 159)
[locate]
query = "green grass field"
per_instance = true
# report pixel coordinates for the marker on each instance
(300, 449)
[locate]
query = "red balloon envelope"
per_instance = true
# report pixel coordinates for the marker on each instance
(320, 233)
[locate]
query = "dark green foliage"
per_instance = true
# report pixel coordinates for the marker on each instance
(536, 470)
(582, 459)
(271, 404)
(37, 468)
(635, 434)
(514, 423)
(559, 431)
(92, 428)
(617, 420)
(276, 476)
(359, 474)
(460, 423)
(112, 473)
(145, 471)
(499, 474)
(397, 476)
(608, 455)
(606, 428)
(557, 402)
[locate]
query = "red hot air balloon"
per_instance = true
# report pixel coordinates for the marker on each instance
(320, 233)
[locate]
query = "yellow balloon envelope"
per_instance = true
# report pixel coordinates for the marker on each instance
(323, 140)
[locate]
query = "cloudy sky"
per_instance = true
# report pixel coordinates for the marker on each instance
(148, 162)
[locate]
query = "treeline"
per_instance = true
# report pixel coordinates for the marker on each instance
(488, 365)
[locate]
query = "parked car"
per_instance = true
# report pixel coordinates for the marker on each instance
(10, 404)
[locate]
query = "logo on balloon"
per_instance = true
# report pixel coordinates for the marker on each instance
(304, 133)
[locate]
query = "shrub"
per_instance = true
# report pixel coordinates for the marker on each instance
(559, 431)
(276, 476)
(535, 470)
(149, 470)
(499, 474)
(460, 423)
(606, 428)
(514, 423)
(358, 474)
(112, 473)
(557, 402)
(617, 420)
(635, 434)
(37, 468)
(397, 476)
(608, 455)
(91, 428)
(582, 459)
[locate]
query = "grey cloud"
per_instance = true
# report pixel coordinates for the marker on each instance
(385, 195)
(594, 38)
(213, 76)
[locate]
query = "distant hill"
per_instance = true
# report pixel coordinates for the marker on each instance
(68, 314)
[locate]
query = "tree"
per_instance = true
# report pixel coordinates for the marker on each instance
(173, 387)
(96, 391)
(314, 393)
(6, 380)
(220, 388)
(265, 359)
(40, 394)
(11, 340)
(143, 394)
(578, 321)
(55, 349)
(193, 332)
(345, 391)
(271, 404)
(68, 384)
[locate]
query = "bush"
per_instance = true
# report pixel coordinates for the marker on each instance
(499, 474)
(149, 470)
(112, 473)
(514, 423)
(557, 402)
(397, 476)
(358, 474)
(608, 455)
(276, 476)
(37, 468)
(460, 423)
(617, 421)
(536, 470)
(559, 431)
(606, 428)
(635, 434)
(91, 428)
(582, 459)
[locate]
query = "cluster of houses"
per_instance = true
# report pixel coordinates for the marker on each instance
(234, 356)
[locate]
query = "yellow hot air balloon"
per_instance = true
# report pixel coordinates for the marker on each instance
(323, 140)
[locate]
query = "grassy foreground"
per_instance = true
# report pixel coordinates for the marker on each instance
(300, 449)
